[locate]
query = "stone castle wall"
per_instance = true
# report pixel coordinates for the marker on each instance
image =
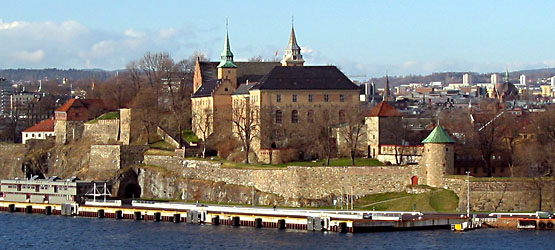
(517, 195)
(297, 182)
(67, 131)
(103, 131)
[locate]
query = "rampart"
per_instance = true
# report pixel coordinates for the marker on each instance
(102, 131)
(506, 195)
(319, 183)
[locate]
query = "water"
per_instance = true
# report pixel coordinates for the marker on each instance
(35, 231)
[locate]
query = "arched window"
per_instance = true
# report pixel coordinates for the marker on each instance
(294, 116)
(326, 115)
(310, 116)
(341, 116)
(279, 116)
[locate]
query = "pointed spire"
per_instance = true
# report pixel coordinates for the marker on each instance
(507, 75)
(386, 91)
(227, 56)
(293, 54)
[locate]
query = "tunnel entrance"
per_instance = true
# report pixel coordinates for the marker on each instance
(131, 190)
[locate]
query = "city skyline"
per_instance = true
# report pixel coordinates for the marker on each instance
(368, 38)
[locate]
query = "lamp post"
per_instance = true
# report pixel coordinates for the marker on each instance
(468, 194)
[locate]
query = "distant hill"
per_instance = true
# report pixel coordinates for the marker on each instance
(456, 77)
(53, 73)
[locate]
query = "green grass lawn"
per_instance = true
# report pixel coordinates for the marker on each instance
(189, 136)
(162, 145)
(337, 162)
(107, 116)
(438, 200)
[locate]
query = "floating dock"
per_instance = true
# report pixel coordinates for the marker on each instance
(300, 219)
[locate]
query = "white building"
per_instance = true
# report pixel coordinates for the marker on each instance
(41, 131)
(523, 79)
(467, 79)
(494, 79)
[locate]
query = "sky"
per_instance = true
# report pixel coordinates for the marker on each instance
(360, 37)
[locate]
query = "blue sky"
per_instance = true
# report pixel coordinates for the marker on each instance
(361, 37)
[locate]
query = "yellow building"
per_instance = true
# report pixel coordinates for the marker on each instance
(286, 98)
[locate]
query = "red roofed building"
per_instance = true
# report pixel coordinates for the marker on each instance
(40, 131)
(387, 138)
(79, 109)
(71, 116)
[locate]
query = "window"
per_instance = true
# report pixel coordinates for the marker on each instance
(342, 98)
(278, 98)
(294, 116)
(279, 116)
(294, 98)
(326, 115)
(310, 116)
(310, 97)
(341, 116)
(326, 98)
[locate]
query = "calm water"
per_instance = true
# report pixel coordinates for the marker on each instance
(34, 231)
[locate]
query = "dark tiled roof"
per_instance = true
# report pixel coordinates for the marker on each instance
(305, 77)
(207, 88)
(243, 89)
(251, 71)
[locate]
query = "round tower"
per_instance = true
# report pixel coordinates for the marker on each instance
(438, 156)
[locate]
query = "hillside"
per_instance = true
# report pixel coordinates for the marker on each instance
(53, 73)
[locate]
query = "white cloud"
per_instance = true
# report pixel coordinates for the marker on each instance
(70, 44)
(29, 56)
(6, 26)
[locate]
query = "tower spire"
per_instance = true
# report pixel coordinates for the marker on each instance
(227, 56)
(507, 75)
(386, 92)
(293, 56)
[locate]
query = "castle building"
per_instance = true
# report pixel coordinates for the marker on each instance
(274, 99)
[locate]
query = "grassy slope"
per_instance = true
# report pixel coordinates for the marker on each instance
(439, 200)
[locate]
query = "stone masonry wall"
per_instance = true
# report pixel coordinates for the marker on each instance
(103, 131)
(518, 195)
(297, 182)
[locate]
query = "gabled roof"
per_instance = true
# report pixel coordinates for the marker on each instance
(438, 135)
(251, 71)
(207, 88)
(243, 89)
(384, 109)
(43, 126)
(305, 77)
(71, 103)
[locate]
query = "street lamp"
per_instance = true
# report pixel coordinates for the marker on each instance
(468, 194)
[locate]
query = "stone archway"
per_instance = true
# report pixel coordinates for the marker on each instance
(131, 190)
(414, 180)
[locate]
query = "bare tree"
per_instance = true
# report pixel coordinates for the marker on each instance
(352, 133)
(246, 125)
(203, 124)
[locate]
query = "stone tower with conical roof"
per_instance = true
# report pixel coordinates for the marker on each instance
(438, 157)
(227, 68)
(293, 56)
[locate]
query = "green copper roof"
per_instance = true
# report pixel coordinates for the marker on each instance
(227, 55)
(438, 135)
